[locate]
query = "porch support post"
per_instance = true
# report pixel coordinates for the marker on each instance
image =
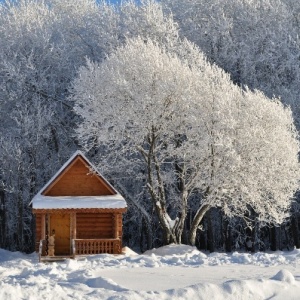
(47, 216)
(73, 233)
(73, 226)
(116, 225)
(43, 227)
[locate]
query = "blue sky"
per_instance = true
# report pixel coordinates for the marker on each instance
(118, 1)
(111, 1)
(114, 1)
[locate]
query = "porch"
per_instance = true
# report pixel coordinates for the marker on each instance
(82, 247)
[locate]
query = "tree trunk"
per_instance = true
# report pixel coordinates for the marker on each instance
(29, 233)
(274, 240)
(20, 230)
(196, 221)
(210, 232)
(295, 231)
(145, 235)
(156, 187)
(141, 225)
(179, 227)
(227, 236)
(203, 208)
(2, 220)
(178, 230)
(254, 237)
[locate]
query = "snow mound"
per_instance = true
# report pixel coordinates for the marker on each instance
(10, 256)
(284, 276)
(173, 249)
(128, 252)
(72, 265)
(104, 283)
(181, 273)
(241, 258)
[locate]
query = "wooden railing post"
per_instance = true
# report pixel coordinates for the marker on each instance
(73, 248)
(96, 246)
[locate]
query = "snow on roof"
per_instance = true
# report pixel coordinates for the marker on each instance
(77, 202)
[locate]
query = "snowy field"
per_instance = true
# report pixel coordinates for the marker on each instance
(172, 272)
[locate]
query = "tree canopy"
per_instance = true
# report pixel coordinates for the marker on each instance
(185, 120)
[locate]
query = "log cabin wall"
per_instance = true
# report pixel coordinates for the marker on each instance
(77, 180)
(87, 226)
(94, 225)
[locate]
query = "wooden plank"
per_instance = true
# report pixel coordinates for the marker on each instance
(94, 216)
(94, 235)
(101, 216)
(99, 225)
(91, 221)
(77, 180)
(81, 233)
(94, 226)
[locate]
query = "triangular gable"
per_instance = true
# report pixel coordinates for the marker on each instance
(76, 179)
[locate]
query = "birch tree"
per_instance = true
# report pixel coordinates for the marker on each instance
(189, 126)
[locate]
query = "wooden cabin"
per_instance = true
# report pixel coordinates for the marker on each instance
(78, 212)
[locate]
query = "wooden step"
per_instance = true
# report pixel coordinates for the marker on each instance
(54, 258)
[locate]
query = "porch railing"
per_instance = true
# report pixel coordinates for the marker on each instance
(96, 246)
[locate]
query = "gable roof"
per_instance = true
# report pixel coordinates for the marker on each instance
(95, 192)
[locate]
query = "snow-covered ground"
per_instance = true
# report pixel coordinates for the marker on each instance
(171, 272)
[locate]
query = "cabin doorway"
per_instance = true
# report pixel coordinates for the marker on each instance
(60, 224)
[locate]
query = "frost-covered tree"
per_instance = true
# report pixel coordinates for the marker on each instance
(43, 43)
(256, 41)
(201, 140)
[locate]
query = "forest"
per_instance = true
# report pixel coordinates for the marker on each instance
(191, 109)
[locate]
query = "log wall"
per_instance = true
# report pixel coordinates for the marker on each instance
(94, 226)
